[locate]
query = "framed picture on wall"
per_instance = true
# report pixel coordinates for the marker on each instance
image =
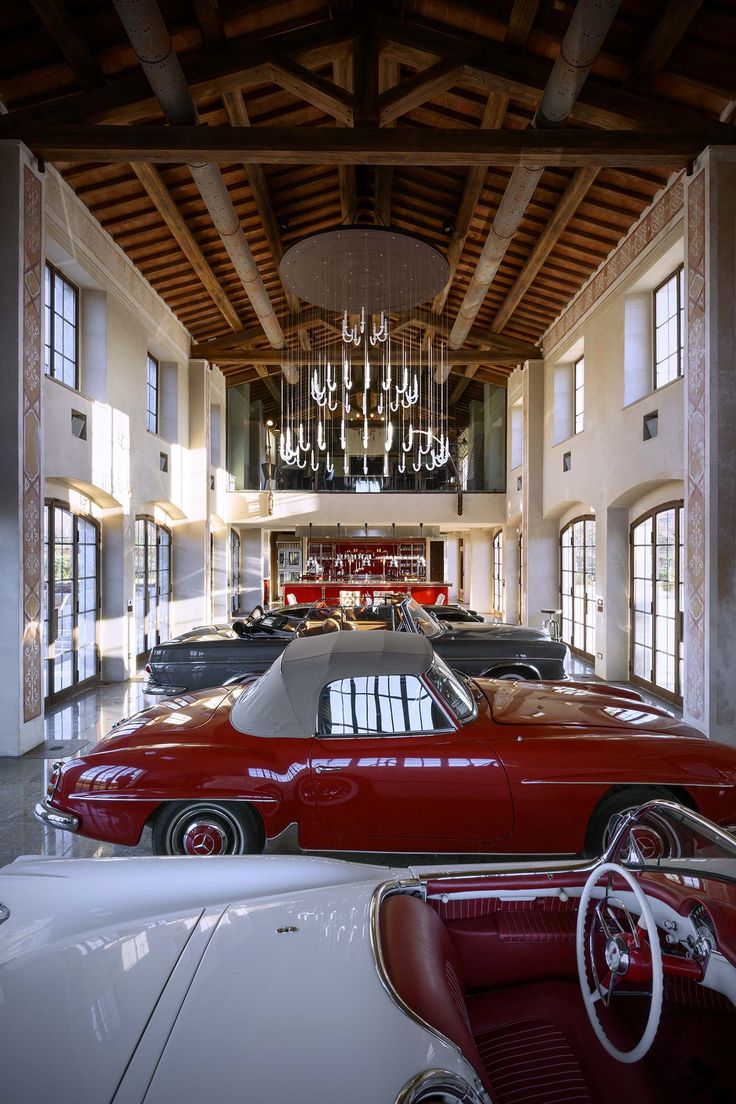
(293, 576)
(294, 558)
(282, 558)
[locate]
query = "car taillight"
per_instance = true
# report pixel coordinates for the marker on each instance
(148, 668)
(53, 780)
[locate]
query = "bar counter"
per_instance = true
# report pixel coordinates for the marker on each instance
(355, 591)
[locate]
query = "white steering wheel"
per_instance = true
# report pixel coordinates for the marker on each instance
(625, 952)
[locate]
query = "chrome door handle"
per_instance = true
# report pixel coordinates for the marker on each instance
(322, 768)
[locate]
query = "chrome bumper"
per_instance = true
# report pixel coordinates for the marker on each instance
(159, 691)
(54, 818)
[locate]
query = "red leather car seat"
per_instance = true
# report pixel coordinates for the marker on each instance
(522, 1040)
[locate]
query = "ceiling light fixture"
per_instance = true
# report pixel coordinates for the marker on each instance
(374, 366)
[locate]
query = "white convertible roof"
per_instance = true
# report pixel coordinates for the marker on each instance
(284, 700)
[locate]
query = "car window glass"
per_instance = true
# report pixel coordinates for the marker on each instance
(378, 705)
(425, 623)
(453, 690)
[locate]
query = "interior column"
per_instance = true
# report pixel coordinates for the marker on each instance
(479, 571)
(21, 462)
(612, 588)
(540, 566)
(191, 542)
(710, 447)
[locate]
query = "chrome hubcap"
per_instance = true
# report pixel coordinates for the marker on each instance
(204, 838)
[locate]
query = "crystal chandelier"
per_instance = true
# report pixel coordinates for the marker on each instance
(369, 392)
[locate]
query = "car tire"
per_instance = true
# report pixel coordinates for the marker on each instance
(207, 828)
(617, 804)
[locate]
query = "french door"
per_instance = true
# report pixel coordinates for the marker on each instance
(656, 600)
(71, 611)
(234, 571)
(152, 584)
(577, 585)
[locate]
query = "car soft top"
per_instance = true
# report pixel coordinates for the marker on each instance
(283, 702)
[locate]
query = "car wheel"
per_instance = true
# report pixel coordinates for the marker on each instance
(606, 815)
(510, 676)
(207, 828)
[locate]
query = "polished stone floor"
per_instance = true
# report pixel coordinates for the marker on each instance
(87, 717)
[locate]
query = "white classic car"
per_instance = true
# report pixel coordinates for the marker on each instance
(281, 979)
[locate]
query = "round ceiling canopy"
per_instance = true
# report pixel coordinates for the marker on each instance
(363, 266)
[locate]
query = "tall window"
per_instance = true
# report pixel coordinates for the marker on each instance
(656, 600)
(152, 394)
(579, 396)
(669, 328)
(498, 571)
(577, 585)
(71, 556)
(152, 583)
(61, 349)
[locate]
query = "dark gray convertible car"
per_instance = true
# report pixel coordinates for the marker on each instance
(210, 655)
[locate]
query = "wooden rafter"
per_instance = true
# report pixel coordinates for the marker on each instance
(237, 113)
(417, 90)
(493, 115)
(324, 94)
(240, 64)
(564, 211)
(209, 18)
(520, 23)
(346, 173)
(369, 145)
(159, 194)
(672, 25)
(495, 69)
(65, 32)
(388, 75)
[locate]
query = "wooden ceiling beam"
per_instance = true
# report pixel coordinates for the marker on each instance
(496, 69)
(461, 384)
(209, 18)
(493, 115)
(388, 76)
(418, 89)
(159, 194)
(315, 90)
(66, 34)
(672, 25)
(368, 145)
(266, 377)
(570, 200)
(274, 357)
(347, 181)
(241, 63)
(237, 113)
(365, 67)
(520, 22)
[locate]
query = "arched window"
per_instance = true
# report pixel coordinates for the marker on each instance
(71, 574)
(498, 603)
(577, 584)
(656, 600)
(152, 583)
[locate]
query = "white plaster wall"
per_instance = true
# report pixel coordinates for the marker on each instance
(122, 319)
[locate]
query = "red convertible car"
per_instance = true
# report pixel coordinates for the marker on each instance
(369, 742)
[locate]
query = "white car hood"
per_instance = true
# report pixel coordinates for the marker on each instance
(97, 961)
(287, 1005)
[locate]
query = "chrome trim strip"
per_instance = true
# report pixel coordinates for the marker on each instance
(155, 689)
(433, 1082)
(618, 782)
(54, 818)
(264, 799)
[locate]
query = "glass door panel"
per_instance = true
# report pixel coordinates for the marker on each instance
(577, 585)
(71, 566)
(656, 600)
